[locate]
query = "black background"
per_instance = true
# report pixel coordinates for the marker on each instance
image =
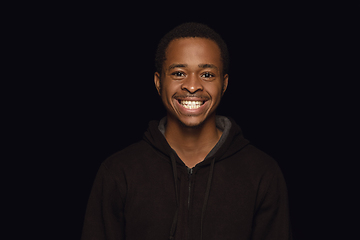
(89, 93)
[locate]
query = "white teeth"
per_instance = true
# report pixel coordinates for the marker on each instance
(191, 104)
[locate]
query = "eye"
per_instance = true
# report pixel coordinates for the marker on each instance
(207, 75)
(178, 74)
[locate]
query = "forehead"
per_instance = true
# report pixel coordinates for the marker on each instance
(193, 51)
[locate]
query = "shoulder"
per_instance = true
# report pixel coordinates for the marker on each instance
(133, 154)
(256, 162)
(254, 155)
(263, 169)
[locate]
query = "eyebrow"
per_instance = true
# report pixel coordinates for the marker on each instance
(207, 65)
(180, 65)
(177, 65)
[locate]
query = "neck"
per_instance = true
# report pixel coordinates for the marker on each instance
(192, 144)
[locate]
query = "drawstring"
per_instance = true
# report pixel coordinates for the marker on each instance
(173, 226)
(207, 193)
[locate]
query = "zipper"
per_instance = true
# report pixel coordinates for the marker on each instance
(190, 171)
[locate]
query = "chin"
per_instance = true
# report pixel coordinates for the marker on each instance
(191, 122)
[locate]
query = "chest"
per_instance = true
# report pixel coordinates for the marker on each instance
(151, 203)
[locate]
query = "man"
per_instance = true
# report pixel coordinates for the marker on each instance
(194, 175)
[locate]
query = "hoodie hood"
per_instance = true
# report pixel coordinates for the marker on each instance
(231, 141)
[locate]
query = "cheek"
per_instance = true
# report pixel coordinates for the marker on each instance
(216, 92)
(167, 91)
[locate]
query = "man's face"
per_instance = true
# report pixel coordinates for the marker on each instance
(192, 83)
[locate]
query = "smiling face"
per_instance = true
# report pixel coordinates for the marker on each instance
(192, 82)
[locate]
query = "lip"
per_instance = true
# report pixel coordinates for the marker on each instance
(191, 99)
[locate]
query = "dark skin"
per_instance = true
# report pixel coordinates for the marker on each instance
(191, 86)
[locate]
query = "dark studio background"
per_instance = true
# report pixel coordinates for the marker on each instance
(98, 96)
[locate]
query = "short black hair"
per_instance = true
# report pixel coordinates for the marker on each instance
(188, 30)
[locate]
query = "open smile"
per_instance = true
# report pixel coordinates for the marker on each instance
(191, 104)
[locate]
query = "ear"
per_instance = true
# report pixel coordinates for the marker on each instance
(157, 82)
(225, 83)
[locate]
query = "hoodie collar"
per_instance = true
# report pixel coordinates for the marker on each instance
(230, 142)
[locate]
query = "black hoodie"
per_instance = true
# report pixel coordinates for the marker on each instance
(146, 192)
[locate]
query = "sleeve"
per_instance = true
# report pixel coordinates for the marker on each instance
(271, 220)
(104, 217)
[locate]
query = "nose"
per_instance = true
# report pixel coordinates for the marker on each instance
(192, 84)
